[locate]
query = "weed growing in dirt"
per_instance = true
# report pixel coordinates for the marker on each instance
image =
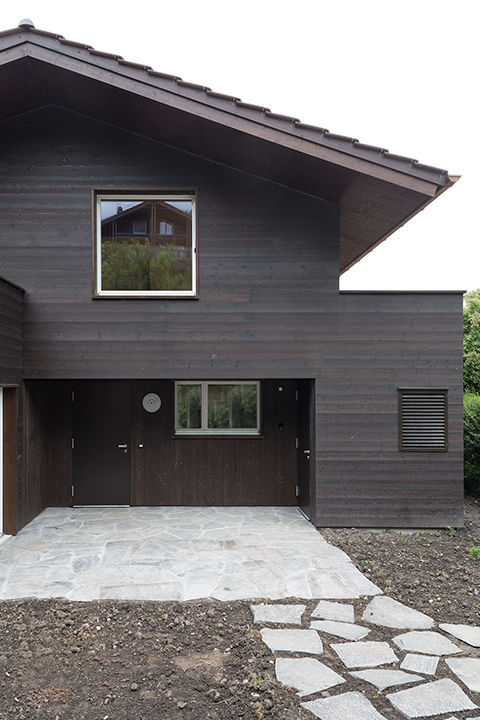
(475, 552)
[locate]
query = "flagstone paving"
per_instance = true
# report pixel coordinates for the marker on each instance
(176, 553)
(429, 699)
(304, 641)
(284, 614)
(467, 670)
(386, 611)
(428, 695)
(334, 611)
(268, 554)
(306, 674)
(386, 678)
(364, 654)
(425, 664)
(426, 641)
(348, 631)
(466, 633)
(352, 705)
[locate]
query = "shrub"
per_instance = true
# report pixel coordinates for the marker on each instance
(471, 412)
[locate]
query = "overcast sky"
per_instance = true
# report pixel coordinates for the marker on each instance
(403, 75)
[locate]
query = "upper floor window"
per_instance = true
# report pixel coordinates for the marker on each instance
(145, 245)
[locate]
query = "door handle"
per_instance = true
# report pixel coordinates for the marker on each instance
(123, 446)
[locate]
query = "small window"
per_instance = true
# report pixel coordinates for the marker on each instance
(145, 246)
(422, 418)
(218, 407)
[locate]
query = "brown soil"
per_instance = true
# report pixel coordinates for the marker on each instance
(432, 570)
(205, 659)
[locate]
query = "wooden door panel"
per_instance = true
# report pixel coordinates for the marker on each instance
(101, 423)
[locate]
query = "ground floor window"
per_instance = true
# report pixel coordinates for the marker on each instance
(217, 407)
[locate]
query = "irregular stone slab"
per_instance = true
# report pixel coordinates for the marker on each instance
(364, 654)
(306, 674)
(328, 610)
(426, 664)
(469, 634)
(434, 698)
(348, 705)
(426, 641)
(467, 670)
(305, 641)
(386, 611)
(284, 614)
(386, 678)
(345, 630)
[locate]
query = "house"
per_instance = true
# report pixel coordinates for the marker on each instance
(171, 326)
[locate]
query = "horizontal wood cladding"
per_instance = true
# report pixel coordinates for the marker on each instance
(47, 432)
(387, 342)
(11, 333)
(268, 257)
(176, 470)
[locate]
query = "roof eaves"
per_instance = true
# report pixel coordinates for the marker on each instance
(320, 136)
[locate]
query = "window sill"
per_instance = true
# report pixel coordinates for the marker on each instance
(145, 297)
(219, 436)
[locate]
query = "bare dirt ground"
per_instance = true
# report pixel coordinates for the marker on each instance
(205, 659)
(435, 571)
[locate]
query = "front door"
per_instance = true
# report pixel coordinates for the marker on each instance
(101, 437)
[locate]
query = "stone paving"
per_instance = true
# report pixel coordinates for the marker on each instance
(326, 696)
(175, 553)
(267, 554)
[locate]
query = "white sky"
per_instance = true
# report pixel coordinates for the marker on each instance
(402, 75)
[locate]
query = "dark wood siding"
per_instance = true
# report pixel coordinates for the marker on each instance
(11, 321)
(388, 341)
(267, 257)
(175, 470)
(47, 433)
(268, 307)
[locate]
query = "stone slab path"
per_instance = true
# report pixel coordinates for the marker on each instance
(436, 686)
(175, 553)
(408, 666)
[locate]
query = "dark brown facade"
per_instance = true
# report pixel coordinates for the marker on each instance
(268, 309)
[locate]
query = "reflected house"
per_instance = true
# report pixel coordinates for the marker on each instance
(145, 233)
(171, 326)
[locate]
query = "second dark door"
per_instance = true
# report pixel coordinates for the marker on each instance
(101, 454)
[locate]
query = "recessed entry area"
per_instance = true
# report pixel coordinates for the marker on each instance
(120, 442)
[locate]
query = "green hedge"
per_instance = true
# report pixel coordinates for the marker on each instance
(471, 411)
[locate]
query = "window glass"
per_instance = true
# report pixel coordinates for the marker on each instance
(189, 406)
(145, 245)
(232, 406)
(217, 407)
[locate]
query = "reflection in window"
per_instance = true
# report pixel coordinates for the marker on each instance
(189, 407)
(146, 245)
(217, 407)
(232, 406)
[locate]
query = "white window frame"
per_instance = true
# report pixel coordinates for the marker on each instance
(204, 429)
(98, 246)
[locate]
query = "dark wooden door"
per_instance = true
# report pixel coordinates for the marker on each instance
(101, 455)
(305, 449)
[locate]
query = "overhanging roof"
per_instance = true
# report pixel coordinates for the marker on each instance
(377, 190)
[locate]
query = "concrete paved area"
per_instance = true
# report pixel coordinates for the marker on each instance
(175, 553)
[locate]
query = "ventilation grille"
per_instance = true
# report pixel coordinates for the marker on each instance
(422, 420)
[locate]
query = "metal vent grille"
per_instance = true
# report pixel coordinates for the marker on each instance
(423, 420)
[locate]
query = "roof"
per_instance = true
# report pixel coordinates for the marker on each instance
(377, 191)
